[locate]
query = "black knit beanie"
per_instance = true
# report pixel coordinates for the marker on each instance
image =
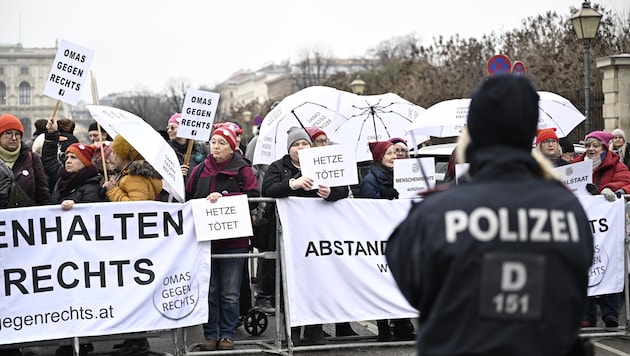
(504, 111)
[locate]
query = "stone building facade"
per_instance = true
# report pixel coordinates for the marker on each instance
(23, 76)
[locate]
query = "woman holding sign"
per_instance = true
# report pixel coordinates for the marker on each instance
(223, 173)
(284, 179)
(610, 177)
(379, 184)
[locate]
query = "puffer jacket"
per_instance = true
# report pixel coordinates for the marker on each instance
(612, 173)
(139, 181)
(375, 181)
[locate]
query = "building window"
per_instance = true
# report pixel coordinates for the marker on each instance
(1, 70)
(3, 94)
(24, 70)
(25, 93)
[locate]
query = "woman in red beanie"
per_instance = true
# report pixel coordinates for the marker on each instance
(77, 179)
(27, 167)
(379, 184)
(223, 173)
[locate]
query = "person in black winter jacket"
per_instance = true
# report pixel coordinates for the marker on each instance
(284, 179)
(76, 180)
(497, 265)
(378, 183)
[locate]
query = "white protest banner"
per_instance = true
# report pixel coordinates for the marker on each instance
(228, 217)
(333, 165)
(100, 269)
(69, 71)
(198, 113)
(335, 259)
(408, 177)
(607, 221)
(576, 175)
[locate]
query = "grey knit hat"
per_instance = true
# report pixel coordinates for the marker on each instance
(297, 133)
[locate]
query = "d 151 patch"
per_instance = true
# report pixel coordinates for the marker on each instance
(512, 286)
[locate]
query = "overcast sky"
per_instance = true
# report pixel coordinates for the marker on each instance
(141, 44)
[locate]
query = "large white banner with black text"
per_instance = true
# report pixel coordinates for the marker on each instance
(336, 268)
(100, 269)
(335, 262)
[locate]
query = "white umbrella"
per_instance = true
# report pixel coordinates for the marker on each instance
(447, 118)
(149, 143)
(373, 118)
(313, 106)
(444, 119)
(557, 111)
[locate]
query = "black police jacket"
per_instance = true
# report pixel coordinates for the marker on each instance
(497, 265)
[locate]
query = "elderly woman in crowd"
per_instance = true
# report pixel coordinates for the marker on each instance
(27, 167)
(180, 145)
(620, 146)
(610, 176)
(77, 179)
(548, 144)
(223, 173)
(379, 184)
(284, 179)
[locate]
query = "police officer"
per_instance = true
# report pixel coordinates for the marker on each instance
(497, 265)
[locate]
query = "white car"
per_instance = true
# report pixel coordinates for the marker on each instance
(442, 153)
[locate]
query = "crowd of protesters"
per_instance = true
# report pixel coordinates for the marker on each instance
(55, 168)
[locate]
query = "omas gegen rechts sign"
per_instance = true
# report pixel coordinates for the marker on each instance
(69, 72)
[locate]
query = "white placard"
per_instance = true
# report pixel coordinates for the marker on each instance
(408, 177)
(229, 217)
(69, 72)
(333, 165)
(198, 113)
(576, 175)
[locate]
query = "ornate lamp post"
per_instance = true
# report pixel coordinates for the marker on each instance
(358, 86)
(585, 22)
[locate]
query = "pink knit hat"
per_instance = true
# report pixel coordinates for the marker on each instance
(603, 137)
(175, 119)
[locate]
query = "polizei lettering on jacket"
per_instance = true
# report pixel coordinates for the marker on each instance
(522, 225)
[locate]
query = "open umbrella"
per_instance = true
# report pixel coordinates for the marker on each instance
(373, 118)
(444, 119)
(447, 118)
(313, 106)
(557, 111)
(149, 143)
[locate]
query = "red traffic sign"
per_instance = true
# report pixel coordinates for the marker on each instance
(499, 63)
(519, 68)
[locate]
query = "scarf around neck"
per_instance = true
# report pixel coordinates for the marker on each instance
(10, 157)
(71, 180)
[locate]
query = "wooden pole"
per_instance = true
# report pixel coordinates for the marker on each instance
(98, 126)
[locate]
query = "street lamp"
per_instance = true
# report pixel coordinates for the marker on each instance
(585, 22)
(247, 118)
(358, 86)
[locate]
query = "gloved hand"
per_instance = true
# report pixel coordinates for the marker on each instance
(591, 188)
(609, 194)
(389, 193)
